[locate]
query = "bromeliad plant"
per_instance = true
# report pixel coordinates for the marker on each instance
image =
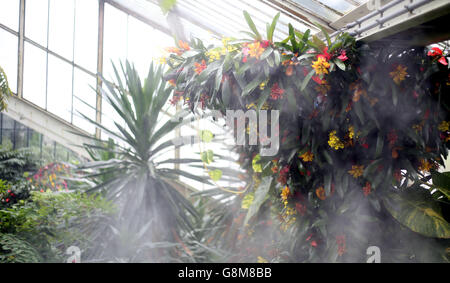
(361, 129)
(151, 209)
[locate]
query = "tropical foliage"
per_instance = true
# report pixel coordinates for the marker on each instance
(361, 130)
(39, 217)
(137, 175)
(5, 91)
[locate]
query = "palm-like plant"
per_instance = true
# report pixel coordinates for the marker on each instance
(5, 92)
(150, 206)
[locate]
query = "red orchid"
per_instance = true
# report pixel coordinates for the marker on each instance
(325, 55)
(318, 80)
(343, 56)
(435, 51)
(265, 43)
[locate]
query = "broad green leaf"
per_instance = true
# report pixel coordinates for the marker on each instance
(208, 156)
(256, 165)
(340, 64)
(307, 79)
(422, 216)
(261, 194)
(441, 181)
(247, 200)
(206, 135)
(215, 175)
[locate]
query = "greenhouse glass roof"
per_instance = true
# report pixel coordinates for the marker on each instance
(224, 18)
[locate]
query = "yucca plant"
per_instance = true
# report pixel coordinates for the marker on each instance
(151, 209)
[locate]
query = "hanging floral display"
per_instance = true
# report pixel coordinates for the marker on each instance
(361, 129)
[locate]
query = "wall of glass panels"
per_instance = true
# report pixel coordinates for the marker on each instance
(60, 52)
(15, 135)
(60, 49)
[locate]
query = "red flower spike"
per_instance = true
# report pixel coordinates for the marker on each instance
(443, 61)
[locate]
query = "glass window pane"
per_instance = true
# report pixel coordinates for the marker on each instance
(61, 27)
(145, 44)
(140, 43)
(8, 57)
(20, 137)
(86, 34)
(59, 90)
(9, 14)
(84, 100)
(36, 19)
(62, 153)
(48, 150)
(34, 78)
(115, 39)
(7, 131)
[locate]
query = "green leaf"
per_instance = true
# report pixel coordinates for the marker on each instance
(266, 53)
(272, 27)
(253, 84)
(247, 200)
(422, 216)
(208, 156)
(340, 64)
(292, 37)
(251, 24)
(379, 147)
(325, 34)
(256, 165)
(261, 194)
(167, 5)
(215, 175)
(226, 93)
(358, 111)
(318, 43)
(307, 79)
(206, 135)
(441, 181)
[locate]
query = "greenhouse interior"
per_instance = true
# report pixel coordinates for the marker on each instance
(226, 131)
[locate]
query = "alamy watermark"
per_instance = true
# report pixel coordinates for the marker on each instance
(374, 254)
(257, 128)
(74, 253)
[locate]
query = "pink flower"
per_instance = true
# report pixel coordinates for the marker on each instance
(443, 61)
(343, 56)
(245, 51)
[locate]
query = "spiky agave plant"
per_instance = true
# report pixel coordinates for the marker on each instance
(151, 209)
